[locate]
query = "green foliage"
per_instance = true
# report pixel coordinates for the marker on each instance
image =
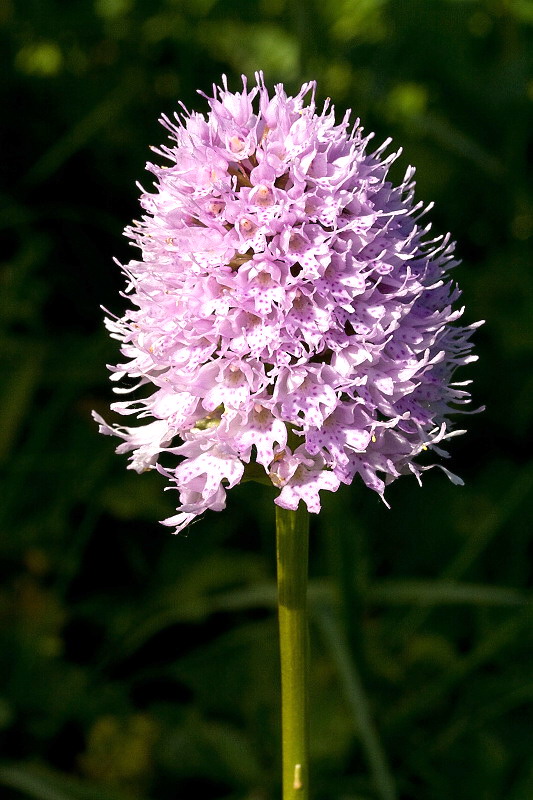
(136, 665)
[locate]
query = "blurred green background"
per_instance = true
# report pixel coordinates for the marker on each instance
(140, 666)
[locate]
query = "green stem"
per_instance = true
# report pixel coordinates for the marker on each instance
(292, 534)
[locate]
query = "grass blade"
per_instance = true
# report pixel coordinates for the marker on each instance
(356, 698)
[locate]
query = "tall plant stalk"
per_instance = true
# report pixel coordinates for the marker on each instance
(292, 536)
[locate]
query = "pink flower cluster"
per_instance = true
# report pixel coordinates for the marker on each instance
(290, 316)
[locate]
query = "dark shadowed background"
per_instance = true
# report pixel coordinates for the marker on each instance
(136, 665)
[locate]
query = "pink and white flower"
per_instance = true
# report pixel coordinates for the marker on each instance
(287, 308)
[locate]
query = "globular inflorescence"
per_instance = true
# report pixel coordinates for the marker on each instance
(291, 320)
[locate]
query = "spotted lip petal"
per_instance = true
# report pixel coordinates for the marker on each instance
(288, 309)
